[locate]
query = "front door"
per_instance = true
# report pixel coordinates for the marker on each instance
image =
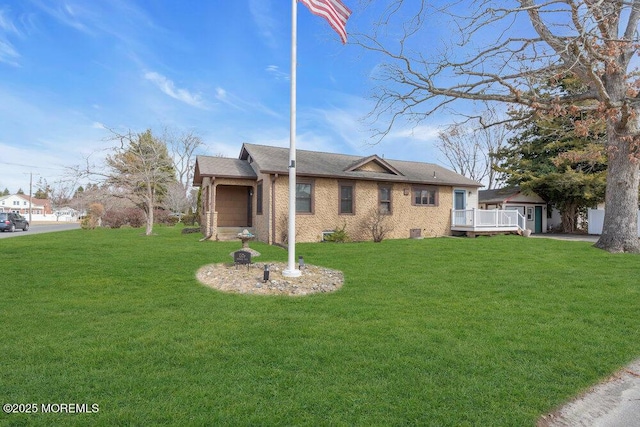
(538, 220)
(459, 200)
(232, 206)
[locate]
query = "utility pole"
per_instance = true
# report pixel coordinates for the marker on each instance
(30, 193)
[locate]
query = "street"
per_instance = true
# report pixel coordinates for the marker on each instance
(42, 228)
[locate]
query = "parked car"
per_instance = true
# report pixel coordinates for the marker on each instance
(9, 221)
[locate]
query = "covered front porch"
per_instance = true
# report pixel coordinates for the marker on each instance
(495, 221)
(227, 208)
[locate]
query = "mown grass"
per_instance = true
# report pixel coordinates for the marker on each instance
(487, 331)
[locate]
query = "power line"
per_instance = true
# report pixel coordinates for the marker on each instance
(31, 166)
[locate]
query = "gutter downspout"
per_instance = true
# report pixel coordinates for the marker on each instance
(273, 208)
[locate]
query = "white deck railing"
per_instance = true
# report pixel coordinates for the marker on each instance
(479, 219)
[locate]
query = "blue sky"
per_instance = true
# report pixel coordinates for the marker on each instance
(68, 68)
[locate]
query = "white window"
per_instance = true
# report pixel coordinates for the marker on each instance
(530, 214)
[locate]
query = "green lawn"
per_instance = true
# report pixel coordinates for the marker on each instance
(487, 331)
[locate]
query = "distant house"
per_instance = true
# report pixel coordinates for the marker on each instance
(20, 203)
(538, 216)
(332, 191)
(66, 214)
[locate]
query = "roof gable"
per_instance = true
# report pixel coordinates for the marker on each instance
(372, 164)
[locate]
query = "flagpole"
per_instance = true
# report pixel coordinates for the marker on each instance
(291, 270)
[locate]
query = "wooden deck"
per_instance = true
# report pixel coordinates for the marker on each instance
(475, 222)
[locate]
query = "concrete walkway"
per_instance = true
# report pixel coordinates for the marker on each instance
(613, 403)
(577, 237)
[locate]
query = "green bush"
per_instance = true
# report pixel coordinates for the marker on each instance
(340, 235)
(190, 219)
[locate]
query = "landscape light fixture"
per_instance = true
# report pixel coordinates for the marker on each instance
(265, 276)
(301, 262)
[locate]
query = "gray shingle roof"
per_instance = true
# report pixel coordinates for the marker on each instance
(497, 195)
(269, 160)
(222, 167)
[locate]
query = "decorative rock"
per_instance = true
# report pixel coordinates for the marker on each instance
(313, 279)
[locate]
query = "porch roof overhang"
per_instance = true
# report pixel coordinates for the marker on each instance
(221, 167)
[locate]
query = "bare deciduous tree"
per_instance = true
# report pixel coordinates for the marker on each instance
(176, 200)
(501, 51)
(183, 147)
(61, 194)
(470, 150)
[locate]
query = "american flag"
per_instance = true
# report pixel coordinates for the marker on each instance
(333, 11)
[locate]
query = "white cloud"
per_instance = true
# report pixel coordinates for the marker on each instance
(6, 25)
(275, 72)
(240, 104)
(221, 94)
(16, 172)
(266, 23)
(8, 53)
(67, 14)
(423, 133)
(168, 87)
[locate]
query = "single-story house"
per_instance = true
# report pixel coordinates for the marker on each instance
(333, 191)
(539, 216)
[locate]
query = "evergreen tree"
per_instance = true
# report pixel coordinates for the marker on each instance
(41, 194)
(560, 158)
(43, 190)
(141, 170)
(78, 192)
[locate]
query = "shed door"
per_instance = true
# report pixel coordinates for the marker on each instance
(538, 218)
